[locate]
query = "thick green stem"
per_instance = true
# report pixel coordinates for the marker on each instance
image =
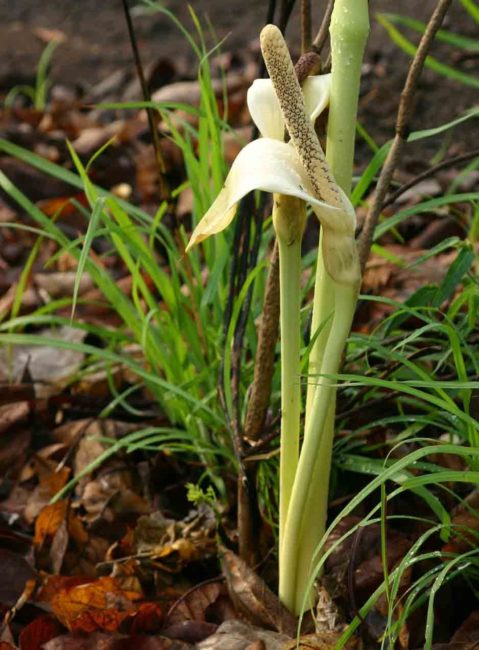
(307, 491)
(289, 220)
(349, 32)
(323, 308)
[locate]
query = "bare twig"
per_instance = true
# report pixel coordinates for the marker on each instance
(163, 186)
(305, 26)
(402, 125)
(322, 34)
(449, 162)
(286, 9)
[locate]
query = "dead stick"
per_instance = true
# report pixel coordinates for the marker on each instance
(322, 34)
(449, 162)
(305, 26)
(402, 124)
(164, 190)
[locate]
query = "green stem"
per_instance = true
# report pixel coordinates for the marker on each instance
(323, 307)
(349, 32)
(307, 491)
(288, 220)
(308, 508)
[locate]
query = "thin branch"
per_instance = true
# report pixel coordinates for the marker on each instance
(449, 162)
(305, 26)
(163, 185)
(322, 34)
(286, 9)
(402, 126)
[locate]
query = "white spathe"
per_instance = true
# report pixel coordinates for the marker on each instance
(271, 165)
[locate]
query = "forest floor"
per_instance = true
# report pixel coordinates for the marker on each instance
(127, 562)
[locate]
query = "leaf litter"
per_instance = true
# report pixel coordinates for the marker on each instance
(113, 565)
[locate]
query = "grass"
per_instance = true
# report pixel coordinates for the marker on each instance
(421, 361)
(37, 93)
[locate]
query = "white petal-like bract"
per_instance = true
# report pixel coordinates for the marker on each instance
(316, 93)
(265, 164)
(264, 108)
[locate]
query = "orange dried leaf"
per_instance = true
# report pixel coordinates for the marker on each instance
(49, 521)
(91, 620)
(54, 481)
(94, 605)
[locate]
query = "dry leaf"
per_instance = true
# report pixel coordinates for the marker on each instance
(48, 521)
(39, 631)
(15, 572)
(253, 598)
(87, 605)
(237, 635)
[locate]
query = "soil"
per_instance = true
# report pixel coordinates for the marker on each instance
(97, 48)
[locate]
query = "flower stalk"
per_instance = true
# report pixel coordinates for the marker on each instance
(349, 32)
(298, 172)
(289, 219)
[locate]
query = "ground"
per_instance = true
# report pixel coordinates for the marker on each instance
(97, 46)
(127, 561)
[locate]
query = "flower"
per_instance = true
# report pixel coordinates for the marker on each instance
(272, 165)
(268, 163)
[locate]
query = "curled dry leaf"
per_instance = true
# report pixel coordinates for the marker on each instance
(253, 598)
(465, 525)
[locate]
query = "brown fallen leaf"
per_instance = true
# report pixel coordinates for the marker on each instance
(50, 367)
(253, 598)
(48, 522)
(321, 641)
(465, 525)
(238, 635)
(468, 633)
(15, 572)
(190, 631)
(13, 414)
(193, 605)
(41, 630)
(148, 619)
(101, 641)
(85, 604)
